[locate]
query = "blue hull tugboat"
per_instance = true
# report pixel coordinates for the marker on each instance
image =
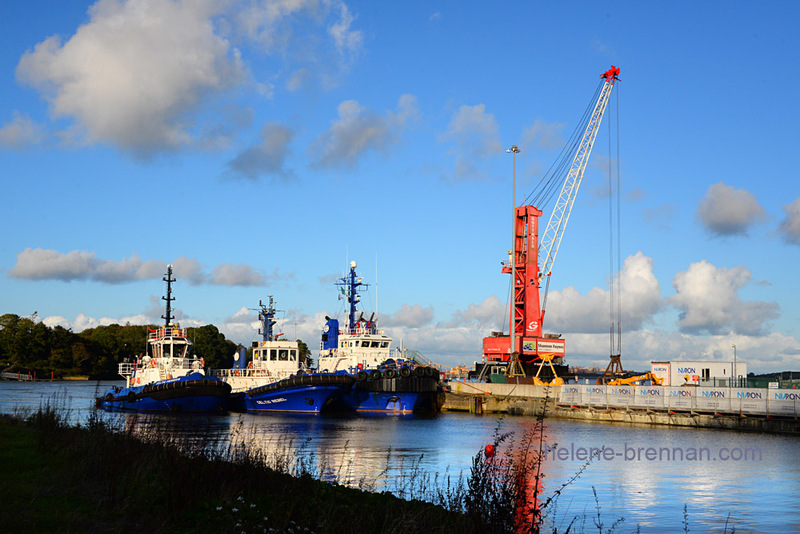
(385, 381)
(275, 379)
(166, 379)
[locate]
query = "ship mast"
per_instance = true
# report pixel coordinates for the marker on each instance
(350, 284)
(267, 317)
(169, 298)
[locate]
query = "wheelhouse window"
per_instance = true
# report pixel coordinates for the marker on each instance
(273, 355)
(292, 355)
(283, 355)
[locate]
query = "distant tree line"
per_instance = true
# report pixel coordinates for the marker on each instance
(29, 345)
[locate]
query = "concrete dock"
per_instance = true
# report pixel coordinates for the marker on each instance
(530, 400)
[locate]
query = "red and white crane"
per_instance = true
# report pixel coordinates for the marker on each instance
(533, 258)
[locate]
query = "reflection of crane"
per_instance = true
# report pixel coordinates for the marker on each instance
(533, 260)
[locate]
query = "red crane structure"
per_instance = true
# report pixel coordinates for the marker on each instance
(533, 259)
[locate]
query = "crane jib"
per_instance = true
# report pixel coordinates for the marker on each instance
(560, 216)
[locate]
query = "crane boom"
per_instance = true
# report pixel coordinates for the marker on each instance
(551, 239)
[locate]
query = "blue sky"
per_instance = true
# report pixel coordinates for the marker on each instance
(260, 146)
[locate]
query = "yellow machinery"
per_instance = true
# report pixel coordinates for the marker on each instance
(557, 380)
(631, 380)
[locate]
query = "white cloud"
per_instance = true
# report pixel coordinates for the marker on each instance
(348, 41)
(44, 264)
(21, 132)
(228, 274)
(267, 157)
(639, 291)
(358, 130)
(708, 301)
(300, 79)
(411, 316)
(127, 269)
(459, 340)
(660, 217)
(790, 226)
(134, 75)
(543, 135)
(727, 211)
(475, 136)
(288, 27)
(488, 315)
(153, 76)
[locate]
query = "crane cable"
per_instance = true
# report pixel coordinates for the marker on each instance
(615, 275)
(550, 184)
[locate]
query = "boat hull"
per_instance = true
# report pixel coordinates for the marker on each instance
(392, 393)
(391, 402)
(194, 393)
(312, 393)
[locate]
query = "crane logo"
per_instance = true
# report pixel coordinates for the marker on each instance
(532, 325)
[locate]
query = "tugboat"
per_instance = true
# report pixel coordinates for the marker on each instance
(385, 381)
(276, 379)
(166, 378)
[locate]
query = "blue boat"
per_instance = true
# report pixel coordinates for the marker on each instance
(386, 381)
(166, 378)
(276, 378)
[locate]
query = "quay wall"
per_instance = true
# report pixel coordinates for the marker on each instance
(763, 410)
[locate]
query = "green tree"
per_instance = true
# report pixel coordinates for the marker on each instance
(8, 327)
(304, 354)
(211, 345)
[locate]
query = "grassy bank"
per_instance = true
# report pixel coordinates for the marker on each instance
(61, 479)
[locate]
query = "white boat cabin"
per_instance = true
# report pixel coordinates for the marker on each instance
(167, 357)
(364, 349)
(271, 361)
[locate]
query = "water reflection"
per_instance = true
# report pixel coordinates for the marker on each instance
(389, 452)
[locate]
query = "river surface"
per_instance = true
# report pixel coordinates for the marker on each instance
(645, 475)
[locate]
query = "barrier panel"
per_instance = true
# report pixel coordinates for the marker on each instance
(570, 394)
(621, 396)
(783, 401)
(649, 397)
(713, 400)
(750, 401)
(680, 399)
(595, 395)
(756, 401)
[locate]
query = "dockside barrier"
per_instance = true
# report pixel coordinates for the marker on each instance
(745, 401)
(767, 402)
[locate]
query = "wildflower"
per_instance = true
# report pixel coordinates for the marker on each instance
(219, 508)
(253, 505)
(234, 510)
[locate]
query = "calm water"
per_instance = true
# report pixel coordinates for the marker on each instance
(646, 474)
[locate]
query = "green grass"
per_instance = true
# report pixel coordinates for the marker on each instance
(61, 479)
(94, 478)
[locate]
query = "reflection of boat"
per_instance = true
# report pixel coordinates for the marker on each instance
(166, 379)
(386, 382)
(276, 379)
